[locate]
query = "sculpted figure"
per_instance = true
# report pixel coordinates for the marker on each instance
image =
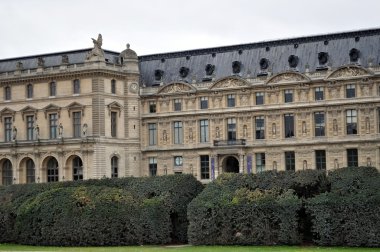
(14, 133)
(60, 130)
(37, 131)
(84, 129)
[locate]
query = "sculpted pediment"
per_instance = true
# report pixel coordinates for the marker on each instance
(288, 77)
(7, 112)
(28, 110)
(229, 82)
(75, 106)
(178, 87)
(349, 72)
(114, 106)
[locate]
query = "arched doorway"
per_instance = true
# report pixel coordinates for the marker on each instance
(30, 171)
(231, 164)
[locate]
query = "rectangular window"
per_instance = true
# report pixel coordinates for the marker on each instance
(177, 105)
(350, 91)
(319, 120)
(288, 96)
(113, 86)
(289, 125)
(178, 133)
(230, 100)
(76, 86)
(53, 119)
(203, 124)
(231, 129)
(320, 159)
(152, 127)
(351, 122)
(53, 88)
(205, 167)
(352, 157)
(260, 127)
(259, 98)
(77, 124)
(152, 166)
(113, 124)
(152, 107)
(260, 162)
(319, 94)
(290, 164)
(8, 129)
(30, 127)
(204, 102)
(7, 93)
(29, 91)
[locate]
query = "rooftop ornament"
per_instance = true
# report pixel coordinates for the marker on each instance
(96, 54)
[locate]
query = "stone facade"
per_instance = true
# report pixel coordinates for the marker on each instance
(99, 114)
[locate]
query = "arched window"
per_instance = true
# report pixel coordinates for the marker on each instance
(29, 91)
(113, 86)
(76, 86)
(52, 170)
(77, 169)
(114, 167)
(7, 173)
(30, 171)
(53, 88)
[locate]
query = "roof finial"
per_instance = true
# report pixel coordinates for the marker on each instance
(128, 45)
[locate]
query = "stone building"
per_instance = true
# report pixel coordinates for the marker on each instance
(301, 103)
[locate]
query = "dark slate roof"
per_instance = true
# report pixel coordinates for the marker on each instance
(53, 59)
(337, 46)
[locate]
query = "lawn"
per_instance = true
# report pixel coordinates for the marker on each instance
(9, 247)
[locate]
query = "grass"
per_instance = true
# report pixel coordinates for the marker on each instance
(11, 247)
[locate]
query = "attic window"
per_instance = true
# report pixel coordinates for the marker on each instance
(183, 72)
(296, 45)
(240, 52)
(267, 48)
(209, 69)
(162, 60)
(158, 74)
(213, 55)
(264, 63)
(354, 55)
(187, 57)
(293, 61)
(326, 42)
(357, 39)
(236, 67)
(323, 57)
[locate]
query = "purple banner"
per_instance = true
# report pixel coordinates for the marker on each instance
(249, 164)
(212, 168)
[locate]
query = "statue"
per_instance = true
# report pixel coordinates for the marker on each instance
(84, 129)
(60, 130)
(14, 133)
(37, 131)
(40, 62)
(164, 136)
(96, 54)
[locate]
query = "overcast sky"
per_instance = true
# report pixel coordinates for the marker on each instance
(30, 27)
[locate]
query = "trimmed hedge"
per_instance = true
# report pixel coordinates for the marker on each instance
(98, 212)
(350, 213)
(253, 208)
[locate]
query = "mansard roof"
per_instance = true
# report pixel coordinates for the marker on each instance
(244, 60)
(276, 52)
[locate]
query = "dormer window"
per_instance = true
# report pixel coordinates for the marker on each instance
(158, 74)
(236, 67)
(323, 57)
(354, 55)
(293, 61)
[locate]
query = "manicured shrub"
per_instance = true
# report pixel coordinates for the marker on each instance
(253, 209)
(98, 212)
(349, 215)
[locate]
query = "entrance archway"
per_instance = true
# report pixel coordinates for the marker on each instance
(231, 164)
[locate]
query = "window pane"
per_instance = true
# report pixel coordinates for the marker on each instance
(319, 118)
(290, 161)
(152, 127)
(260, 162)
(152, 166)
(30, 127)
(260, 127)
(114, 167)
(52, 170)
(289, 125)
(53, 119)
(259, 98)
(178, 133)
(204, 102)
(8, 129)
(77, 124)
(205, 167)
(203, 131)
(352, 157)
(113, 124)
(288, 96)
(230, 100)
(319, 93)
(77, 169)
(320, 159)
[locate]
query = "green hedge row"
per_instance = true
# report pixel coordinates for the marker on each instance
(253, 208)
(350, 213)
(98, 212)
(341, 208)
